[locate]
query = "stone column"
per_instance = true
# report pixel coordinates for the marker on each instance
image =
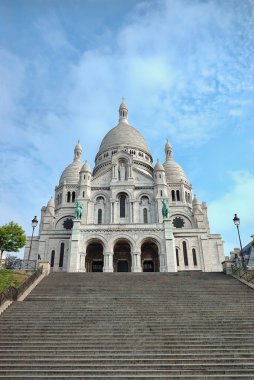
(183, 194)
(112, 211)
(136, 262)
(108, 262)
(159, 210)
(82, 262)
(73, 261)
(168, 263)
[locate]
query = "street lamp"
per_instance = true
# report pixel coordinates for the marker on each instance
(34, 224)
(236, 221)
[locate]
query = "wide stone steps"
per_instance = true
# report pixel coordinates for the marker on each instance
(130, 326)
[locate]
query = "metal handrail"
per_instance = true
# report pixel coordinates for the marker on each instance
(19, 264)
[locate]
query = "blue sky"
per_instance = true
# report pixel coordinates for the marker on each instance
(185, 68)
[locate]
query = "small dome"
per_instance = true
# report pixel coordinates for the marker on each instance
(158, 166)
(174, 172)
(71, 172)
(86, 167)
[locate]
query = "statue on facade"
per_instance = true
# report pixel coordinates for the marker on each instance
(78, 210)
(165, 208)
(122, 172)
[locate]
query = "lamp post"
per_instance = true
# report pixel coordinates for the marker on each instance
(236, 221)
(34, 224)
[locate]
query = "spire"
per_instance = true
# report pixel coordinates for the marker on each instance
(196, 205)
(168, 150)
(77, 152)
(123, 112)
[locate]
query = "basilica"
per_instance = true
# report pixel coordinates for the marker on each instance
(121, 227)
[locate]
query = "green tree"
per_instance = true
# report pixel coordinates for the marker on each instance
(12, 238)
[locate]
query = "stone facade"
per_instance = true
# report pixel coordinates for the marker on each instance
(122, 227)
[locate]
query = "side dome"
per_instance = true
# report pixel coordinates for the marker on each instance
(173, 171)
(71, 172)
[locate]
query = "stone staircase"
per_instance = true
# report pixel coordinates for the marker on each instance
(130, 326)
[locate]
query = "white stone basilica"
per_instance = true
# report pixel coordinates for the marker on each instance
(122, 228)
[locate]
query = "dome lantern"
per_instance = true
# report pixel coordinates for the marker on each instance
(123, 112)
(78, 151)
(168, 150)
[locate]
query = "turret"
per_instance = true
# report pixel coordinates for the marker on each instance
(159, 174)
(48, 215)
(197, 212)
(85, 180)
(160, 186)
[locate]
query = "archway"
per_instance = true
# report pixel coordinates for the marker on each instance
(94, 257)
(150, 261)
(122, 256)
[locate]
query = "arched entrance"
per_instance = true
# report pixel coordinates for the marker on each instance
(94, 257)
(122, 256)
(150, 261)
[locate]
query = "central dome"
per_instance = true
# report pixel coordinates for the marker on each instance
(123, 134)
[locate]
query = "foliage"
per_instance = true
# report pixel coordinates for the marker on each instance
(12, 238)
(11, 277)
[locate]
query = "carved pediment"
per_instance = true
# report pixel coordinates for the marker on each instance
(102, 179)
(142, 177)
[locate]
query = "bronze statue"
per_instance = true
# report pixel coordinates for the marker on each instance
(78, 210)
(165, 208)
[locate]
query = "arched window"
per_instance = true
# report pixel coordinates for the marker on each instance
(52, 259)
(177, 257)
(186, 198)
(194, 255)
(185, 254)
(73, 196)
(68, 196)
(122, 205)
(173, 195)
(189, 200)
(61, 258)
(178, 195)
(145, 215)
(100, 216)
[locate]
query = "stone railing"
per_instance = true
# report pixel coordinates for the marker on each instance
(12, 293)
(242, 272)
